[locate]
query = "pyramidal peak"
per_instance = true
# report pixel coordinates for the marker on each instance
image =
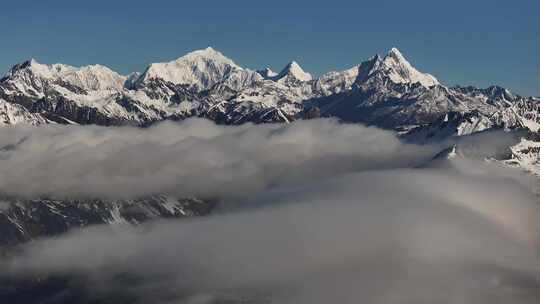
(395, 58)
(293, 70)
(401, 71)
(395, 53)
(33, 66)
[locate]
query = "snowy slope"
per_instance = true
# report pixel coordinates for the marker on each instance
(91, 78)
(525, 155)
(200, 69)
(452, 124)
(401, 71)
(14, 114)
(292, 73)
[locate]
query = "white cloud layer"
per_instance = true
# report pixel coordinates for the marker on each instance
(326, 213)
(397, 236)
(195, 157)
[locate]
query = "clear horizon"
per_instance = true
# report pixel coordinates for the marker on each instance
(480, 44)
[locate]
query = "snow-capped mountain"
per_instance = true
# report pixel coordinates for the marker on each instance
(292, 73)
(450, 125)
(201, 70)
(90, 78)
(401, 71)
(526, 154)
(384, 91)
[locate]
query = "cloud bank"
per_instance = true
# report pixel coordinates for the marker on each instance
(192, 158)
(396, 236)
(325, 213)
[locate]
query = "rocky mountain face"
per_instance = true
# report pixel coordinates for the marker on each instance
(22, 220)
(13, 114)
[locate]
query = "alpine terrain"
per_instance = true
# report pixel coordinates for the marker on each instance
(383, 91)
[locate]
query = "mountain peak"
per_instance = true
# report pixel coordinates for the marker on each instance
(401, 71)
(32, 65)
(200, 69)
(394, 52)
(207, 51)
(267, 73)
(208, 54)
(293, 65)
(90, 77)
(395, 57)
(28, 63)
(32, 61)
(294, 71)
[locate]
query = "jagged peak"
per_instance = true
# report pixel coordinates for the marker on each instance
(498, 89)
(30, 64)
(131, 80)
(293, 69)
(91, 77)
(499, 92)
(400, 70)
(395, 53)
(293, 65)
(368, 67)
(267, 73)
(57, 69)
(493, 91)
(374, 58)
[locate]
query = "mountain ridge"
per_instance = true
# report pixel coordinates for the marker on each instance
(385, 91)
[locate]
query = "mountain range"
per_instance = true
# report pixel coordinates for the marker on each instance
(383, 91)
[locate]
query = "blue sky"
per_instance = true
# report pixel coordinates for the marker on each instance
(460, 42)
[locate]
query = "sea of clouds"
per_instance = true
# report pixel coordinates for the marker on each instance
(311, 212)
